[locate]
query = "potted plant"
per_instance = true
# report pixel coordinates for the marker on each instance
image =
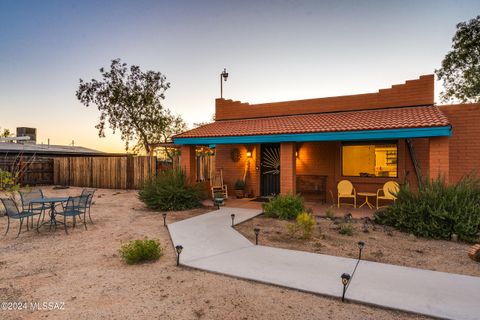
(240, 188)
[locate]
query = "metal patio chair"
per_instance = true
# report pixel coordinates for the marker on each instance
(35, 208)
(346, 190)
(12, 212)
(389, 191)
(75, 207)
(89, 192)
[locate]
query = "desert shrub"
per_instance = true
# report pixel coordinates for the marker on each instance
(304, 223)
(284, 207)
(330, 213)
(169, 191)
(346, 229)
(137, 251)
(437, 210)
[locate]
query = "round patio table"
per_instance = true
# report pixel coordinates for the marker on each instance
(53, 212)
(366, 195)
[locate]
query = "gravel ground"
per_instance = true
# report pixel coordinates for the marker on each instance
(382, 244)
(82, 276)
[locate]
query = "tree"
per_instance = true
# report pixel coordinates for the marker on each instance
(130, 101)
(460, 69)
(6, 133)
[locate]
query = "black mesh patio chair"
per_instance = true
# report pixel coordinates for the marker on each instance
(35, 208)
(75, 207)
(12, 212)
(89, 192)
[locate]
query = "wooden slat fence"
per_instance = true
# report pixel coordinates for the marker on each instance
(30, 170)
(104, 172)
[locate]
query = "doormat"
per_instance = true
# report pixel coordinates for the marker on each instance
(262, 199)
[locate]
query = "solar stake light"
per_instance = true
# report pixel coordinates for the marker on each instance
(233, 219)
(164, 214)
(257, 232)
(361, 245)
(345, 280)
(179, 249)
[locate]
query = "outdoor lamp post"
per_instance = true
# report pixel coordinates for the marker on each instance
(233, 218)
(164, 214)
(345, 279)
(361, 245)
(179, 249)
(223, 76)
(257, 232)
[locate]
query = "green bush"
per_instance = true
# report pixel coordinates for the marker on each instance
(330, 213)
(137, 251)
(437, 210)
(305, 223)
(239, 185)
(284, 207)
(169, 191)
(346, 229)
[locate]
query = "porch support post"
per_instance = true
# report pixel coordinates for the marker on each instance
(288, 183)
(439, 158)
(187, 162)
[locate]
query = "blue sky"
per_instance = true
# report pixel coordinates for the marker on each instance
(273, 51)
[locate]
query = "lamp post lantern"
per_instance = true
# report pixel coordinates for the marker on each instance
(345, 279)
(361, 245)
(233, 219)
(223, 77)
(164, 214)
(179, 249)
(257, 232)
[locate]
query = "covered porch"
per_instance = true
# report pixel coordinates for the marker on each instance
(310, 154)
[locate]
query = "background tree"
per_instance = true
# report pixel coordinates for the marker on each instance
(130, 101)
(460, 69)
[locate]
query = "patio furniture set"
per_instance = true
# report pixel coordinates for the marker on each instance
(34, 203)
(347, 191)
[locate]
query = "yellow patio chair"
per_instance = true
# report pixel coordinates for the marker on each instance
(346, 190)
(389, 191)
(218, 186)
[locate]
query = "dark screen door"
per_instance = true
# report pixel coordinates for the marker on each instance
(270, 169)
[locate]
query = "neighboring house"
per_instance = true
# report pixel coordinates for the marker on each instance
(307, 146)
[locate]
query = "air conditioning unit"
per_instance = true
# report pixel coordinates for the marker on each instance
(27, 132)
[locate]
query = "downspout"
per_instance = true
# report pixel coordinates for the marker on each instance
(418, 171)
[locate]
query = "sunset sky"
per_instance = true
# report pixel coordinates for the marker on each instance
(273, 51)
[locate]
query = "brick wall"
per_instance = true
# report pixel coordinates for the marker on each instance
(439, 158)
(464, 154)
(411, 93)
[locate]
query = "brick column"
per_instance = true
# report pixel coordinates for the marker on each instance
(439, 157)
(288, 183)
(187, 162)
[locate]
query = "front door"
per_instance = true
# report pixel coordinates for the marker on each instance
(270, 169)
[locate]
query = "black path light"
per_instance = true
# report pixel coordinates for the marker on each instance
(233, 219)
(179, 249)
(164, 214)
(345, 280)
(361, 245)
(257, 232)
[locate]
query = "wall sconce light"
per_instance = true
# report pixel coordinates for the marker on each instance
(296, 154)
(249, 154)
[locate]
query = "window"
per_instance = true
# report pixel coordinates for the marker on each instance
(370, 160)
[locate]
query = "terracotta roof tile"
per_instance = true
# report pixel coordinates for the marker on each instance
(411, 117)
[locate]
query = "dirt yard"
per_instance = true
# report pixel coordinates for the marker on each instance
(382, 244)
(82, 274)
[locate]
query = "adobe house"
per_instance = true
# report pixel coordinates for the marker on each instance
(307, 146)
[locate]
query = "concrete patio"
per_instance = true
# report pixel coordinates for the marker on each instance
(211, 244)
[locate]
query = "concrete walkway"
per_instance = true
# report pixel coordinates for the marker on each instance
(211, 244)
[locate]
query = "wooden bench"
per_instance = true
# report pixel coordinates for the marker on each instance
(312, 187)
